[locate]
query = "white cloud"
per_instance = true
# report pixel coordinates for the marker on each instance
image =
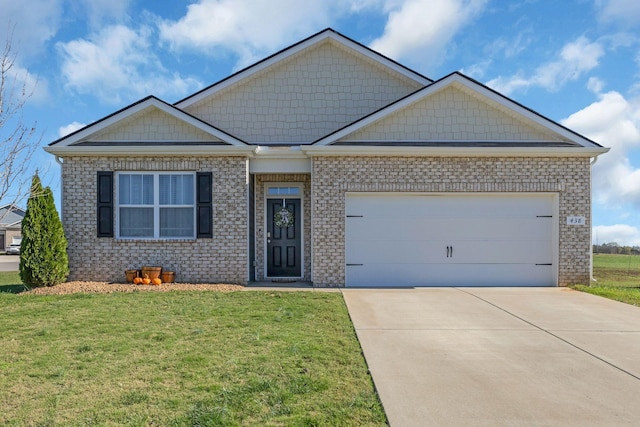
(625, 12)
(477, 70)
(30, 24)
(70, 128)
(250, 28)
(418, 31)
(595, 85)
(118, 64)
(100, 12)
(574, 59)
(613, 121)
(623, 234)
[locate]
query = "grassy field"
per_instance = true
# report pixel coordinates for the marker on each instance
(618, 278)
(182, 359)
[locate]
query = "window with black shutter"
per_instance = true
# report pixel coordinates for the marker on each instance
(204, 205)
(105, 204)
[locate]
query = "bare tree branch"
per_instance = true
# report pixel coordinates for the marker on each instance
(18, 140)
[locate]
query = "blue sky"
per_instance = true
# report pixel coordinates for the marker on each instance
(576, 62)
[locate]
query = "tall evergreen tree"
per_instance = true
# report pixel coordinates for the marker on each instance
(43, 252)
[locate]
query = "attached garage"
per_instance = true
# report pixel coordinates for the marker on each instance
(407, 240)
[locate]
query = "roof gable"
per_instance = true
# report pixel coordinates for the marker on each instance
(153, 124)
(148, 120)
(318, 38)
(452, 110)
(11, 215)
(304, 92)
(451, 114)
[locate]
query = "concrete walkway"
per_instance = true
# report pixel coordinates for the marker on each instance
(9, 262)
(500, 356)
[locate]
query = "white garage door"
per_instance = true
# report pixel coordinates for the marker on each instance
(450, 240)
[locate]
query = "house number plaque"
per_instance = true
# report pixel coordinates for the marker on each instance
(576, 220)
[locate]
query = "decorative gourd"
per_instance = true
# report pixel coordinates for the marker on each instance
(156, 281)
(146, 280)
(137, 280)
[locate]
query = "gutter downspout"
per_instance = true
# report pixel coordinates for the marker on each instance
(61, 163)
(593, 162)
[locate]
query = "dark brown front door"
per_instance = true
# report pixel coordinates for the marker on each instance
(284, 254)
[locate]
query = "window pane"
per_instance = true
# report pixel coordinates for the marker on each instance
(176, 189)
(165, 189)
(283, 191)
(176, 222)
(147, 189)
(135, 189)
(188, 187)
(136, 222)
(124, 189)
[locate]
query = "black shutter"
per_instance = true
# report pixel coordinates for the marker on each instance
(105, 204)
(204, 205)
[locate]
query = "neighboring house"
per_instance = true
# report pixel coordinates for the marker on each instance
(10, 225)
(328, 162)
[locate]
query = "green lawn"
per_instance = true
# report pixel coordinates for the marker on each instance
(618, 278)
(182, 359)
(10, 282)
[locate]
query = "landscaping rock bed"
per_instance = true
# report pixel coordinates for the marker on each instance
(107, 288)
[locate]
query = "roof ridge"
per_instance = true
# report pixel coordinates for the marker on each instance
(328, 32)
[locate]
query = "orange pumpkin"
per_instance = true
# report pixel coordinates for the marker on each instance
(146, 280)
(137, 280)
(156, 281)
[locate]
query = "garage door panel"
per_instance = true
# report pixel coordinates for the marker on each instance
(416, 275)
(505, 251)
(446, 206)
(381, 251)
(452, 252)
(449, 228)
(450, 240)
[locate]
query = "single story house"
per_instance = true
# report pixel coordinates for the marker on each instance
(10, 225)
(330, 163)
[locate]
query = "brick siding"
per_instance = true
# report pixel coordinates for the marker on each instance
(224, 258)
(332, 177)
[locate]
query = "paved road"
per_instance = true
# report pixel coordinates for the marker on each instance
(9, 262)
(497, 357)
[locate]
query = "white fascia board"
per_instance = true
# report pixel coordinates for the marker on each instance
(151, 150)
(141, 106)
(279, 160)
(292, 50)
(291, 152)
(396, 151)
(280, 165)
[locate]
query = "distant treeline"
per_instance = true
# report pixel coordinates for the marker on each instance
(614, 248)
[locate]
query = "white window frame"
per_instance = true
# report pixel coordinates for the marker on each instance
(156, 204)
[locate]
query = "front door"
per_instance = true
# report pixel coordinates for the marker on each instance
(284, 251)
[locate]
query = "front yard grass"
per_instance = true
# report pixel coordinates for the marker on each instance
(182, 359)
(618, 278)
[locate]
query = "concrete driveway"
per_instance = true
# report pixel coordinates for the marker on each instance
(500, 356)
